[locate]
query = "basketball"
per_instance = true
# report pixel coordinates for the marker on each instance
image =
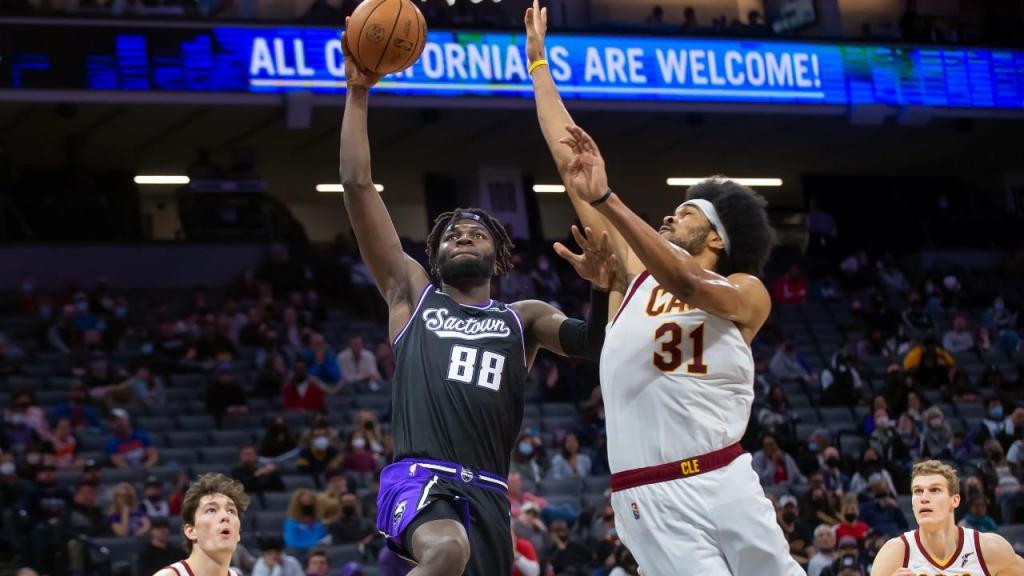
(386, 36)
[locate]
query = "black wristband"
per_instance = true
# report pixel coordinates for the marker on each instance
(602, 199)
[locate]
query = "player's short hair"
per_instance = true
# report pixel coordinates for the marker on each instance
(209, 485)
(503, 245)
(742, 212)
(936, 468)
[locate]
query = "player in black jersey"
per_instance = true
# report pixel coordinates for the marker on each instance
(461, 365)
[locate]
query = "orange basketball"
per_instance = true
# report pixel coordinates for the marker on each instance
(386, 36)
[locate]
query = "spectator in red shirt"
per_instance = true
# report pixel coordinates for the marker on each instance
(852, 525)
(303, 392)
(525, 563)
(791, 288)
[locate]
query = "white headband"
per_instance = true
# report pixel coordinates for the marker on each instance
(712, 215)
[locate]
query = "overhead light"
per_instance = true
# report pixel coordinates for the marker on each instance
(548, 188)
(162, 180)
(743, 181)
(337, 188)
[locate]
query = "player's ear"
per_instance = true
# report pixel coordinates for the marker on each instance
(189, 531)
(956, 501)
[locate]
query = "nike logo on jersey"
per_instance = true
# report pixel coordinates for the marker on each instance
(965, 558)
(438, 321)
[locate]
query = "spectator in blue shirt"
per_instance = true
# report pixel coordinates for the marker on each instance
(322, 361)
(302, 528)
(880, 510)
(130, 448)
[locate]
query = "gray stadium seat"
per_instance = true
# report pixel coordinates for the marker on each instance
(219, 454)
(154, 424)
(120, 552)
(270, 521)
(116, 475)
(186, 439)
(295, 481)
(559, 409)
(596, 484)
(211, 468)
(181, 456)
(196, 423)
(276, 501)
(338, 555)
(1014, 534)
(234, 438)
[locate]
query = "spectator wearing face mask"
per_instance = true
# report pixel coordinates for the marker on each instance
(23, 413)
(774, 466)
(352, 526)
(995, 424)
(303, 529)
(526, 457)
(870, 464)
(319, 452)
(886, 440)
(1003, 480)
(937, 435)
(274, 561)
(835, 480)
(154, 503)
(257, 477)
(797, 534)
(881, 511)
(977, 518)
(278, 443)
(851, 526)
(77, 410)
(358, 457)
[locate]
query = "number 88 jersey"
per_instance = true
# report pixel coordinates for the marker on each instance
(677, 381)
(459, 384)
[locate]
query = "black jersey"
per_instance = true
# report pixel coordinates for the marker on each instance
(460, 375)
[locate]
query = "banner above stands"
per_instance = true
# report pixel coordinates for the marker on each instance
(171, 57)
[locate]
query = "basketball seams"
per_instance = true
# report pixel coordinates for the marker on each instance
(359, 36)
(394, 26)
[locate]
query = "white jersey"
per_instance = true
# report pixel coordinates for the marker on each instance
(966, 561)
(677, 381)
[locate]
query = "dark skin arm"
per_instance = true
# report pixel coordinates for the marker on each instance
(542, 322)
(741, 298)
(399, 277)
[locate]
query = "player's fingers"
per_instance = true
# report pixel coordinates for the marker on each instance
(544, 17)
(580, 240)
(565, 253)
(604, 241)
(528, 19)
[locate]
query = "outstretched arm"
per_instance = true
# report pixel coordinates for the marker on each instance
(741, 298)
(554, 118)
(889, 561)
(399, 278)
(547, 327)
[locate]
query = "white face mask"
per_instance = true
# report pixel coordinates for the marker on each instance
(359, 443)
(321, 443)
(7, 469)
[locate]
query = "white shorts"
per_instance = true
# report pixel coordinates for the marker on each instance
(717, 523)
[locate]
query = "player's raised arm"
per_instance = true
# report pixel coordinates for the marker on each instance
(1000, 557)
(399, 278)
(741, 298)
(553, 118)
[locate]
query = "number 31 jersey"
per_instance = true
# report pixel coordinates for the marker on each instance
(459, 385)
(677, 381)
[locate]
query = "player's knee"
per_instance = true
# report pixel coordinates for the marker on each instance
(450, 551)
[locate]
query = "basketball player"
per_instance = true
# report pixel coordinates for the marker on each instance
(461, 365)
(679, 388)
(939, 547)
(211, 511)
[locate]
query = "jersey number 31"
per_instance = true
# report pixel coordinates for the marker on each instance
(463, 367)
(670, 357)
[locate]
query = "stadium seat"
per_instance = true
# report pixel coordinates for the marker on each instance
(296, 481)
(119, 552)
(199, 469)
(559, 409)
(180, 456)
(566, 487)
(219, 454)
(233, 438)
(196, 423)
(186, 439)
(596, 484)
(270, 521)
(1014, 534)
(276, 500)
(338, 555)
(116, 475)
(154, 424)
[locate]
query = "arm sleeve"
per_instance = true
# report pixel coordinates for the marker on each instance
(585, 339)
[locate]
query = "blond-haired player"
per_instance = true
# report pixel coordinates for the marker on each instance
(939, 547)
(211, 511)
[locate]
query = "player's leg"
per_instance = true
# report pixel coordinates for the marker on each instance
(438, 541)
(748, 533)
(666, 527)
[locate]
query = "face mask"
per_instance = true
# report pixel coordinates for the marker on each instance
(359, 443)
(849, 517)
(999, 305)
(788, 517)
(82, 307)
(348, 510)
(996, 412)
(321, 443)
(525, 448)
(377, 447)
(812, 446)
(17, 419)
(882, 423)
(832, 462)
(936, 424)
(307, 509)
(7, 469)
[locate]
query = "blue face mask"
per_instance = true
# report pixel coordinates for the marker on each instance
(525, 448)
(996, 412)
(812, 446)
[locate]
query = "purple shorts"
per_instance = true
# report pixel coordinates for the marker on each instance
(409, 485)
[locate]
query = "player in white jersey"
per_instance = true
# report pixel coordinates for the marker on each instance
(211, 511)
(676, 369)
(939, 547)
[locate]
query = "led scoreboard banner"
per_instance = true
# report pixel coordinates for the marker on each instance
(175, 57)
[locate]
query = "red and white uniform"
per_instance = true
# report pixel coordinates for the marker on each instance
(183, 569)
(678, 385)
(965, 561)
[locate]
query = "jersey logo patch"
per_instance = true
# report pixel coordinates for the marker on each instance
(467, 475)
(438, 321)
(636, 510)
(963, 562)
(396, 519)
